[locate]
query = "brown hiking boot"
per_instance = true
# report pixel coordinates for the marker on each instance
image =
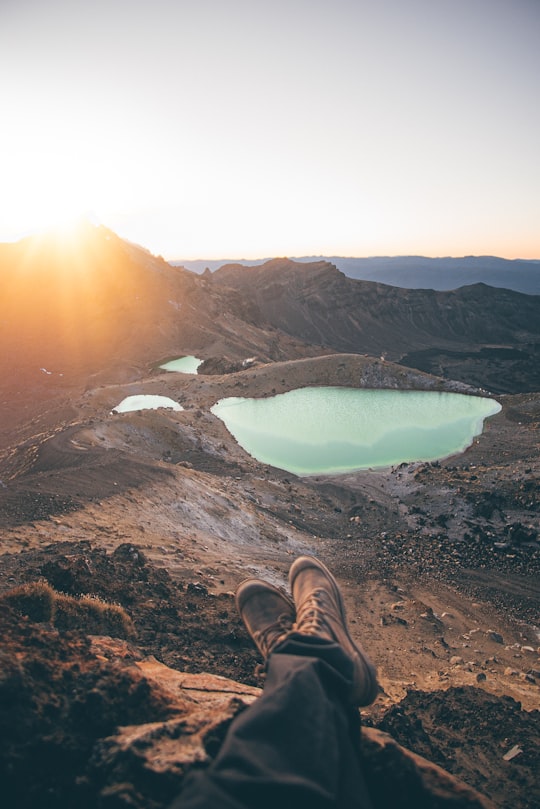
(267, 613)
(320, 612)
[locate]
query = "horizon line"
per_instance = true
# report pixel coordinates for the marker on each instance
(178, 258)
(318, 256)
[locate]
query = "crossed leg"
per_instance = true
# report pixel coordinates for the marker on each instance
(298, 744)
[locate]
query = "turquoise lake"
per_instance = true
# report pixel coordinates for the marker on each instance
(145, 401)
(183, 365)
(335, 430)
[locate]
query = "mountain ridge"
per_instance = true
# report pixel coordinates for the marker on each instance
(320, 305)
(415, 272)
(67, 309)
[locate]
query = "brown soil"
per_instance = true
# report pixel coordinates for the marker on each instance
(164, 514)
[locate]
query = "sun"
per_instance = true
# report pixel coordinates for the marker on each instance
(49, 202)
(44, 207)
(54, 177)
(62, 229)
(61, 218)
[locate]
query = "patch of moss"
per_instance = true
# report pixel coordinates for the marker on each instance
(42, 604)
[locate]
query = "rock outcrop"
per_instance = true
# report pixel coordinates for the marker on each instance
(90, 721)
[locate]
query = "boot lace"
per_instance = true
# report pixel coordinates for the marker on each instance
(267, 639)
(310, 617)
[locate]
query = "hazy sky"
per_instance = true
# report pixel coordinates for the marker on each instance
(236, 128)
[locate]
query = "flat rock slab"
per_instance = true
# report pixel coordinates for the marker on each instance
(138, 757)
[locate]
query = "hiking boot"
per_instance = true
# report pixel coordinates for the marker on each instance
(267, 613)
(320, 612)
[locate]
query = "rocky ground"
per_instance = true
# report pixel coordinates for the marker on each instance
(163, 514)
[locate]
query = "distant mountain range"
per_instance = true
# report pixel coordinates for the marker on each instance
(418, 272)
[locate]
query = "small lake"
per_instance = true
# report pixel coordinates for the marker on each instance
(183, 365)
(335, 430)
(145, 402)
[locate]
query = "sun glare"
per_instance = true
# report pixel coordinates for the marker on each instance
(51, 212)
(59, 173)
(61, 229)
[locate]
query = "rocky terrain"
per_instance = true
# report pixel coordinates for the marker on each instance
(158, 515)
(478, 334)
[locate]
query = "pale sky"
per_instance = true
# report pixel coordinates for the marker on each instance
(246, 128)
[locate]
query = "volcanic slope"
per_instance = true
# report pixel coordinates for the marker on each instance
(490, 337)
(96, 302)
(95, 309)
(99, 309)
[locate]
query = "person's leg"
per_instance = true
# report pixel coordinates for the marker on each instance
(298, 744)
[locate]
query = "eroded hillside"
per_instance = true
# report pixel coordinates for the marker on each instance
(478, 334)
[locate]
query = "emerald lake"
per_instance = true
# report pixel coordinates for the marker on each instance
(145, 401)
(183, 365)
(330, 430)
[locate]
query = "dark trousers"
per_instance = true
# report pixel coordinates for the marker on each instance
(296, 746)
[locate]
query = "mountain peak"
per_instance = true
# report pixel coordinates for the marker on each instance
(275, 269)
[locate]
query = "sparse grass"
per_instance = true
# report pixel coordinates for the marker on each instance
(43, 604)
(36, 600)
